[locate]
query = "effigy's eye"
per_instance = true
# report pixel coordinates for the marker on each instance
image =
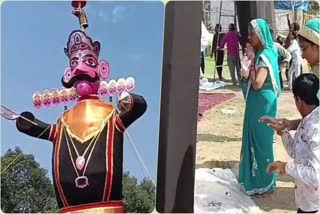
(91, 62)
(73, 63)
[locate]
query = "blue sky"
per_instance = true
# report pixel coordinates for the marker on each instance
(33, 36)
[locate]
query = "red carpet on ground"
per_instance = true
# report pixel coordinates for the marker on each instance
(208, 101)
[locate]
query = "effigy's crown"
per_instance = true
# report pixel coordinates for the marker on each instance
(79, 41)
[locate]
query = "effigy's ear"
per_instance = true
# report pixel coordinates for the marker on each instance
(67, 75)
(104, 69)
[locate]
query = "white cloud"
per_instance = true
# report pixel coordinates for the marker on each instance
(114, 15)
(118, 13)
(105, 17)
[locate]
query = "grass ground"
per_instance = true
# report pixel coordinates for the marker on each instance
(210, 67)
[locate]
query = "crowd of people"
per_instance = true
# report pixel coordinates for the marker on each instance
(260, 77)
(289, 53)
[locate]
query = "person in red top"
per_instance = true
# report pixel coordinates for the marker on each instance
(232, 39)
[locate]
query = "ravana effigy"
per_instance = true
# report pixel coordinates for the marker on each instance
(87, 157)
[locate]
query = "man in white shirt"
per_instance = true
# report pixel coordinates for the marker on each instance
(304, 148)
(295, 68)
(283, 61)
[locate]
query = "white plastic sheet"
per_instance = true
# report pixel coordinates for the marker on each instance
(217, 190)
(209, 86)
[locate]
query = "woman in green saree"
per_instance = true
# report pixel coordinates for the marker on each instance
(263, 88)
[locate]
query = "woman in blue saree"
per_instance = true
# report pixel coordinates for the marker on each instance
(261, 92)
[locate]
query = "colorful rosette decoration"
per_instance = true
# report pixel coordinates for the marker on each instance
(64, 95)
(37, 100)
(130, 84)
(112, 87)
(121, 85)
(73, 95)
(103, 90)
(55, 97)
(46, 98)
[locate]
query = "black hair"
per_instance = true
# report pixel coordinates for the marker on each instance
(296, 28)
(232, 26)
(306, 87)
(279, 40)
(218, 26)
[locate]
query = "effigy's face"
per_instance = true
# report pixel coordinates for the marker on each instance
(85, 70)
(84, 62)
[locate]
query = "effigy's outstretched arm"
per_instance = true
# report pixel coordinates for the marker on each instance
(36, 129)
(132, 107)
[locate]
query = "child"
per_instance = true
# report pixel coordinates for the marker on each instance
(304, 147)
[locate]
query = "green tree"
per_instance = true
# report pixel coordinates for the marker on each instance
(138, 197)
(25, 186)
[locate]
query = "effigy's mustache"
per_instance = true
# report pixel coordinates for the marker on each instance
(80, 77)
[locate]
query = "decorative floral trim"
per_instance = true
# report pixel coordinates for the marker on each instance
(254, 164)
(256, 28)
(256, 191)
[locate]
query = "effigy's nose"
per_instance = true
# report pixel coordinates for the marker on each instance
(79, 71)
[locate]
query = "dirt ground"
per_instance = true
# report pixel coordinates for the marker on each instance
(219, 145)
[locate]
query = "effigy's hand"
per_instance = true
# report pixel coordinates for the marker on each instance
(26, 120)
(278, 167)
(125, 102)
